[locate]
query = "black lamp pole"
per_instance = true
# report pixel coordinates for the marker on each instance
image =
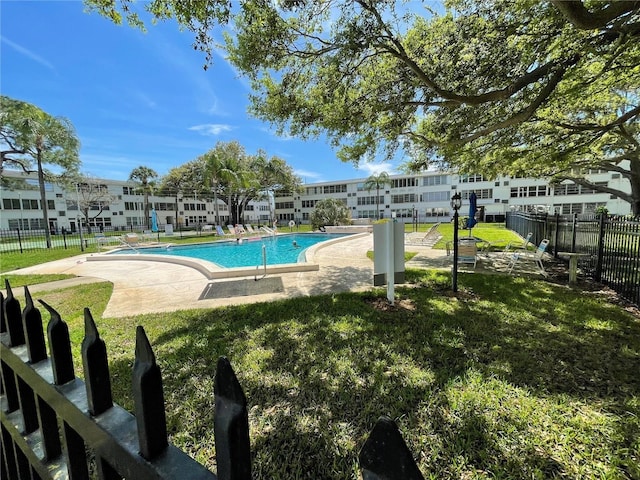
(456, 203)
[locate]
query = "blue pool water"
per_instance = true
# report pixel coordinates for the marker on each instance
(248, 253)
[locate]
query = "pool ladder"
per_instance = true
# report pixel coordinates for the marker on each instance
(264, 263)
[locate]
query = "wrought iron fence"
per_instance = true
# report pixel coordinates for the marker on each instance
(50, 419)
(611, 245)
(17, 240)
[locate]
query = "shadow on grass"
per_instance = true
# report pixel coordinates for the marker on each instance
(491, 380)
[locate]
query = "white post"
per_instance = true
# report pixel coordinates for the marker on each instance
(390, 259)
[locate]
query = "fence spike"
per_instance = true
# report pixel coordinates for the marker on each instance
(96, 368)
(385, 455)
(33, 330)
(231, 425)
(60, 347)
(13, 316)
(148, 397)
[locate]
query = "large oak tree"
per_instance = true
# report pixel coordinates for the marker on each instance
(515, 87)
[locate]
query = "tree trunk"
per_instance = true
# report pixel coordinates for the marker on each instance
(215, 201)
(43, 199)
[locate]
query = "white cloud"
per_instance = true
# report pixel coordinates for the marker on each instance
(376, 168)
(211, 129)
(28, 53)
(308, 176)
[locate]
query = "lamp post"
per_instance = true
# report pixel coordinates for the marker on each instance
(79, 217)
(456, 203)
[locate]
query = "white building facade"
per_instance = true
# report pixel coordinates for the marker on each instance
(426, 197)
(423, 197)
(119, 206)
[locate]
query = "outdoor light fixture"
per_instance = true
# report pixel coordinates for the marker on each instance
(456, 203)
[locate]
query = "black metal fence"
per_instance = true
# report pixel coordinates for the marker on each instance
(611, 245)
(16, 240)
(55, 426)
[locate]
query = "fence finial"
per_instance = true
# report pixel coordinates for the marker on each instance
(385, 455)
(148, 397)
(13, 317)
(33, 330)
(231, 425)
(60, 346)
(96, 368)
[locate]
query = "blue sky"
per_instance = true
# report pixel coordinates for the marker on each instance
(140, 98)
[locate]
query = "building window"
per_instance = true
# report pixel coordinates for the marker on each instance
(432, 180)
(404, 182)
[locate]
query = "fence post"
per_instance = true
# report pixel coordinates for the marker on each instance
(385, 454)
(231, 425)
(19, 240)
(12, 311)
(34, 333)
(599, 260)
(96, 368)
(574, 232)
(148, 398)
(3, 323)
(60, 346)
(555, 242)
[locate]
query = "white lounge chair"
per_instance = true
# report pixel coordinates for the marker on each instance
(529, 256)
(220, 231)
(514, 246)
(101, 239)
(131, 239)
(249, 228)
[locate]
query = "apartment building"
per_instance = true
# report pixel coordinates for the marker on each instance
(113, 205)
(426, 197)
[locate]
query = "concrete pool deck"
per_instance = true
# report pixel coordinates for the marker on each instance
(151, 287)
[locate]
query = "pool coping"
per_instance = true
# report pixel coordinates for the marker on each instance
(212, 271)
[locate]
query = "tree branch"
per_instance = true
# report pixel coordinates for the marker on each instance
(521, 116)
(575, 12)
(397, 50)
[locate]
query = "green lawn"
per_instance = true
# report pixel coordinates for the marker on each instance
(512, 378)
(494, 233)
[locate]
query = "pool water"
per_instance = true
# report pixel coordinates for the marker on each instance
(247, 253)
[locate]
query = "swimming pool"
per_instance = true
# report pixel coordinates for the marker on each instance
(279, 250)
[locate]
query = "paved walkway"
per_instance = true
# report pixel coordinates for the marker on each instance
(150, 287)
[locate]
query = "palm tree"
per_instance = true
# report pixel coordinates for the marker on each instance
(145, 177)
(377, 181)
(217, 173)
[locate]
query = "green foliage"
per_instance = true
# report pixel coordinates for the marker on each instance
(330, 212)
(522, 87)
(32, 139)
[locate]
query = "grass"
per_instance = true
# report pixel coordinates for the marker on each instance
(494, 233)
(511, 378)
